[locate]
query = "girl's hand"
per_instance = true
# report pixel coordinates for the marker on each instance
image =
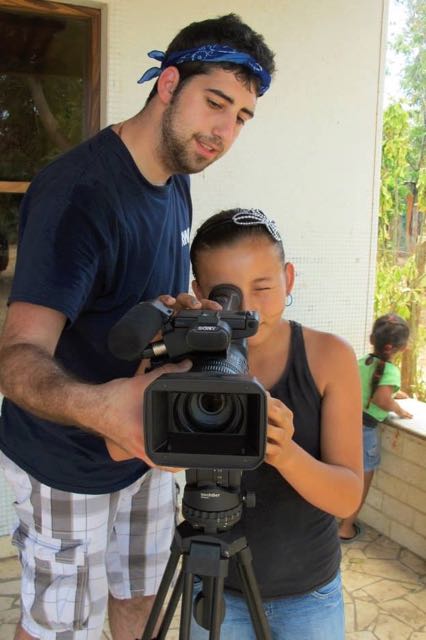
(401, 413)
(279, 433)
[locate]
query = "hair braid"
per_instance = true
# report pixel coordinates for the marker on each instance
(390, 333)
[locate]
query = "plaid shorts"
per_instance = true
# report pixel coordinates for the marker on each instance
(76, 548)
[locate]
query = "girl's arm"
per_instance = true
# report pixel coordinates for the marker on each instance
(334, 483)
(383, 398)
(400, 395)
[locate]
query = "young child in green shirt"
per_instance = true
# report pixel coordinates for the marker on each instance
(380, 381)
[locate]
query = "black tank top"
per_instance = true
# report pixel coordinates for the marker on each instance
(295, 546)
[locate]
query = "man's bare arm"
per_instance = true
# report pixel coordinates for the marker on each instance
(32, 378)
(29, 375)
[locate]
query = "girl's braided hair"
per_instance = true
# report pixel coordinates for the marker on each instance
(390, 333)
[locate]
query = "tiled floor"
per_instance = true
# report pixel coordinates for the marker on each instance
(385, 592)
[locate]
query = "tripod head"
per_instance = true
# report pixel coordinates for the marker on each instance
(213, 500)
(212, 504)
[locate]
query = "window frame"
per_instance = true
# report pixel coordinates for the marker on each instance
(92, 94)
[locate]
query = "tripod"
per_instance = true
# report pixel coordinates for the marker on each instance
(206, 554)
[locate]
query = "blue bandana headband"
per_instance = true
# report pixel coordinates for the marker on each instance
(208, 53)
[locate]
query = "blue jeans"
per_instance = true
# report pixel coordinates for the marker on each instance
(371, 447)
(318, 615)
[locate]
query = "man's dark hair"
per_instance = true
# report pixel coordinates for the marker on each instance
(226, 30)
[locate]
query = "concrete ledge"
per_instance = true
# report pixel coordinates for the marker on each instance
(415, 425)
(396, 502)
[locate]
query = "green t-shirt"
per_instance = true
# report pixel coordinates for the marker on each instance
(391, 377)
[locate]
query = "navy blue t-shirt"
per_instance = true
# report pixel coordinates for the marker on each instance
(95, 239)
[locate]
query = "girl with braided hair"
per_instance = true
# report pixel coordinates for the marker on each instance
(380, 380)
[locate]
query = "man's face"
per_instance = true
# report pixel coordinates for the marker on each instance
(202, 121)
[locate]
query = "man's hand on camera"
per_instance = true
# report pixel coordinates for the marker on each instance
(128, 443)
(185, 301)
(124, 422)
(188, 301)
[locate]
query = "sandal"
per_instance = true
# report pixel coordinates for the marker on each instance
(358, 531)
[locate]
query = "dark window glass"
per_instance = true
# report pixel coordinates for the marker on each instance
(49, 101)
(9, 208)
(43, 87)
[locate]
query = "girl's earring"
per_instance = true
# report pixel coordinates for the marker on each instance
(289, 300)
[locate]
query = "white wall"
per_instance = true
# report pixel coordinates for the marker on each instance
(310, 158)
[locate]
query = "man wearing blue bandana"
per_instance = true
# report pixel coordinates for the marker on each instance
(104, 227)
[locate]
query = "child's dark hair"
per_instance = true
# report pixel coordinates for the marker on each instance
(224, 228)
(228, 30)
(389, 334)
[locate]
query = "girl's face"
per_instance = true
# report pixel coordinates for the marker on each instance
(253, 265)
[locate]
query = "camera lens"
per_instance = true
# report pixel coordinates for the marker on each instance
(211, 403)
(208, 412)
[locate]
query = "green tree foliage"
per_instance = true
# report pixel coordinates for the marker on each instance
(393, 190)
(401, 268)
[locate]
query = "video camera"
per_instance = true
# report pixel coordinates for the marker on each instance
(214, 416)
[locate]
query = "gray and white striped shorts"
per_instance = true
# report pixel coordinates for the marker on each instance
(75, 548)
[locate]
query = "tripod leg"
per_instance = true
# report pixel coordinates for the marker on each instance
(209, 609)
(186, 608)
(162, 593)
(216, 608)
(252, 594)
(171, 608)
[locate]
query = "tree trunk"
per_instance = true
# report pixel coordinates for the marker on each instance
(46, 116)
(409, 372)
